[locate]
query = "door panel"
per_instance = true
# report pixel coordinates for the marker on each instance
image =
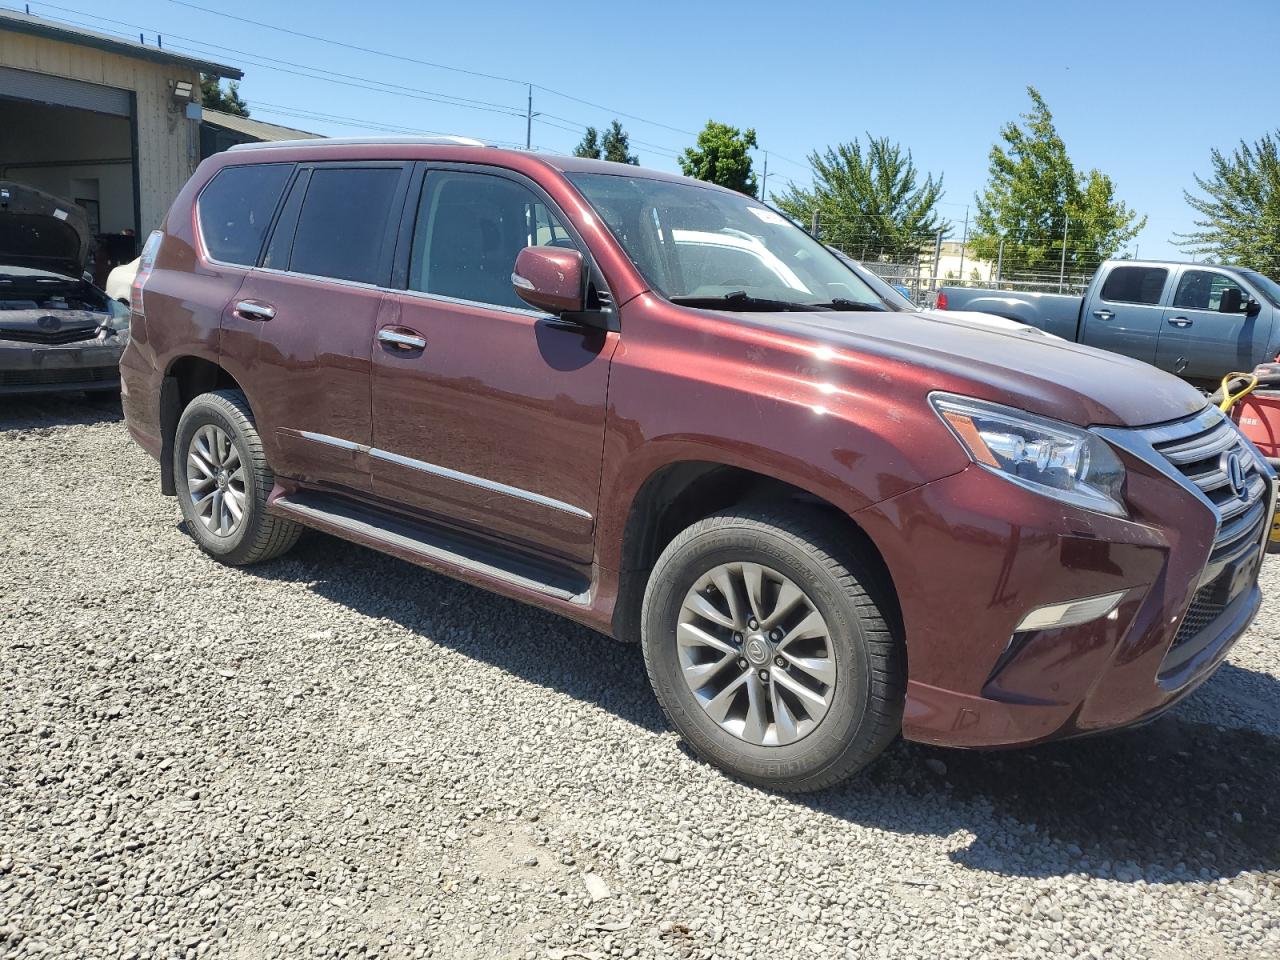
(496, 422)
(1206, 335)
(1126, 316)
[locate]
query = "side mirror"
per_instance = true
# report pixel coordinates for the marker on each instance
(551, 279)
(1252, 307)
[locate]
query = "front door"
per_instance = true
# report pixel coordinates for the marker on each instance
(313, 307)
(1125, 317)
(488, 414)
(1207, 333)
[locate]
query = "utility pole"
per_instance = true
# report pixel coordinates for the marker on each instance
(1062, 271)
(764, 177)
(937, 260)
(963, 242)
(813, 228)
(528, 121)
(1000, 260)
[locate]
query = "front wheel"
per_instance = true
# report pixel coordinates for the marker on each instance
(223, 481)
(768, 644)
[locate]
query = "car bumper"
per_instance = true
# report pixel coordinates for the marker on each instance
(972, 555)
(86, 365)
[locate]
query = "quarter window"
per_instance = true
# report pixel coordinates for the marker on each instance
(235, 210)
(1135, 285)
(1206, 290)
(470, 228)
(344, 222)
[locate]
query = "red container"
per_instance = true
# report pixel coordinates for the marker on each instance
(1258, 415)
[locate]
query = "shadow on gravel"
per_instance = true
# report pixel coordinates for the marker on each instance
(1172, 801)
(22, 412)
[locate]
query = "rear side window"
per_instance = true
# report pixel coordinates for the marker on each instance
(235, 210)
(1135, 285)
(344, 223)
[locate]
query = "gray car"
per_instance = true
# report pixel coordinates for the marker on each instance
(58, 332)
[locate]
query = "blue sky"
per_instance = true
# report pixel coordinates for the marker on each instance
(1139, 89)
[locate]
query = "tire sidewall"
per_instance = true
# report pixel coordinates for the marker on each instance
(204, 410)
(839, 731)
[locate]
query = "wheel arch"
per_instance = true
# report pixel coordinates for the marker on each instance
(185, 378)
(678, 494)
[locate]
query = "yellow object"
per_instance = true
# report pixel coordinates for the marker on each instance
(1230, 399)
(1275, 529)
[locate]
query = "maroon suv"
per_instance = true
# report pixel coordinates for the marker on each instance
(661, 409)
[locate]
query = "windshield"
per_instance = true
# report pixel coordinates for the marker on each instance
(701, 246)
(892, 297)
(1270, 289)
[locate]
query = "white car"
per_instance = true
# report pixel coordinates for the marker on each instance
(120, 281)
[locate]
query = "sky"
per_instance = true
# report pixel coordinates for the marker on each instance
(1142, 90)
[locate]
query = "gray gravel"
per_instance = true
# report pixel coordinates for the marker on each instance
(339, 754)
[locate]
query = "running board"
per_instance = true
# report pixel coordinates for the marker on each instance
(428, 545)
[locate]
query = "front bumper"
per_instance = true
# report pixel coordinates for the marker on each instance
(971, 555)
(84, 365)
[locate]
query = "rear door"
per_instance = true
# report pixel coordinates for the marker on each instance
(491, 414)
(1207, 333)
(1126, 314)
(307, 316)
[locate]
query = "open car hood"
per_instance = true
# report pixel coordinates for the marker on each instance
(42, 232)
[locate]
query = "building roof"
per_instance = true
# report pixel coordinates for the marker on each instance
(256, 129)
(17, 22)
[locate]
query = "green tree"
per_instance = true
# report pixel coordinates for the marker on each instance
(1032, 191)
(215, 98)
(870, 201)
(721, 156)
(614, 145)
(1241, 213)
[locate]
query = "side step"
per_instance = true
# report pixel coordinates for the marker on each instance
(436, 547)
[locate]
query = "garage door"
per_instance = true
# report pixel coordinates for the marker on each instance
(24, 85)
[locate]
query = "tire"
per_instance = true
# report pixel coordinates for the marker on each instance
(865, 697)
(256, 535)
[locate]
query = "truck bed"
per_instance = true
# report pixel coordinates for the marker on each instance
(1056, 313)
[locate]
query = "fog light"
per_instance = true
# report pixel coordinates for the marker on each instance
(1070, 613)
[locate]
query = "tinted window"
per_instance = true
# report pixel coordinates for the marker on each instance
(1135, 284)
(344, 223)
(236, 208)
(1204, 290)
(469, 229)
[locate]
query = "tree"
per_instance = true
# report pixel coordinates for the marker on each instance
(868, 202)
(721, 157)
(615, 145)
(215, 98)
(1241, 212)
(1035, 193)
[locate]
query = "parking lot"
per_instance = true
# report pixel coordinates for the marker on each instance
(339, 754)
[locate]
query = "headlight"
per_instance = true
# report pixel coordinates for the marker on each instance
(1051, 458)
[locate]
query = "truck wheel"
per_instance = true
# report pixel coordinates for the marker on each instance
(223, 481)
(768, 644)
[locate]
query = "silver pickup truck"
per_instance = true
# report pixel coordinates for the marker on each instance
(1200, 321)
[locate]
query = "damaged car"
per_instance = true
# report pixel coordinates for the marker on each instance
(58, 332)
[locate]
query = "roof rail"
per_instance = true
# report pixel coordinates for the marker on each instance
(363, 141)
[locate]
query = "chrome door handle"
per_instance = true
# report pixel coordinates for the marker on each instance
(1180, 321)
(402, 341)
(1103, 314)
(252, 310)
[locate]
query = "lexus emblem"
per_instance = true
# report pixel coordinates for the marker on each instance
(1235, 473)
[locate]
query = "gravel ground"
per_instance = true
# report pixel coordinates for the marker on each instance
(339, 754)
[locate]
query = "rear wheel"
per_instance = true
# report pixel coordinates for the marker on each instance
(768, 645)
(224, 480)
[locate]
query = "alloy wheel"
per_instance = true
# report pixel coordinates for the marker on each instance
(216, 480)
(756, 654)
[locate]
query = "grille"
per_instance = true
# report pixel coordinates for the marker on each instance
(50, 338)
(1198, 448)
(37, 378)
(1206, 607)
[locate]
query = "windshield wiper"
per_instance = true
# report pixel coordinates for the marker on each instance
(741, 300)
(842, 303)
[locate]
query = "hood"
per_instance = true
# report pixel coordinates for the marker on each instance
(1040, 374)
(42, 232)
